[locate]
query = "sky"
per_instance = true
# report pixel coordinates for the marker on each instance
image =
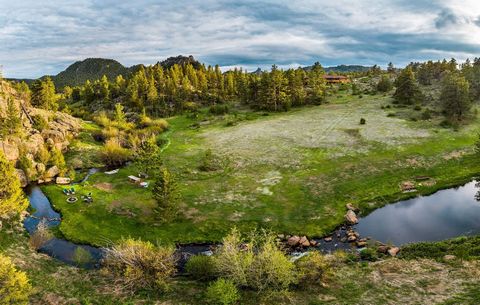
(44, 37)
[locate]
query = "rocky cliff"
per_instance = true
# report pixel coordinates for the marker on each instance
(56, 132)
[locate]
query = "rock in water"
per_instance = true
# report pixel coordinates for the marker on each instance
(293, 241)
(351, 217)
(304, 242)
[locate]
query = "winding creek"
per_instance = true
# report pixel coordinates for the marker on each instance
(445, 214)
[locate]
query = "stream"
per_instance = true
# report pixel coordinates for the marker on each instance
(445, 214)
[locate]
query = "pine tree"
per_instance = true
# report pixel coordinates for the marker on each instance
(43, 94)
(408, 92)
(12, 200)
(12, 124)
(455, 97)
(165, 194)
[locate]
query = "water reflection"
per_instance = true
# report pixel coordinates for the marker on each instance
(445, 214)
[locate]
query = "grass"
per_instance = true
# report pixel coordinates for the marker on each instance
(290, 172)
(466, 248)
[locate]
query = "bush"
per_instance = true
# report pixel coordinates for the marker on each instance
(43, 156)
(363, 121)
(14, 285)
(368, 254)
(314, 269)
(39, 122)
(210, 162)
(102, 119)
(113, 154)
(201, 267)
(259, 264)
(417, 108)
(57, 159)
(219, 109)
(222, 292)
(136, 264)
(391, 114)
(41, 235)
(426, 115)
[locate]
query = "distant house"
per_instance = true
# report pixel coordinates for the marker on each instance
(336, 79)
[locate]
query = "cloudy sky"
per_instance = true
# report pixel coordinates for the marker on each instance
(44, 37)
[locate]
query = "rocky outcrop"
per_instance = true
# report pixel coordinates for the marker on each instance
(57, 133)
(52, 172)
(62, 180)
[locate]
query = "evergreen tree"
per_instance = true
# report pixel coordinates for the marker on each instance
(12, 125)
(12, 200)
(384, 84)
(408, 92)
(165, 193)
(43, 94)
(455, 97)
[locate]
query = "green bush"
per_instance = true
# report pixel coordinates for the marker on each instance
(368, 254)
(14, 285)
(201, 267)
(313, 269)
(257, 264)
(39, 122)
(113, 154)
(219, 109)
(426, 115)
(81, 256)
(222, 292)
(363, 121)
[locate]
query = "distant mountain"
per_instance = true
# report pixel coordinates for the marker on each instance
(347, 68)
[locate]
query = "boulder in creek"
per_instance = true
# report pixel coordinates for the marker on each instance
(293, 241)
(328, 239)
(304, 242)
(352, 238)
(351, 217)
(393, 251)
(22, 177)
(361, 244)
(51, 172)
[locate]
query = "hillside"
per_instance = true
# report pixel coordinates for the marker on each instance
(39, 129)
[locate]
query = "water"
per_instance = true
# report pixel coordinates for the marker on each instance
(58, 248)
(445, 214)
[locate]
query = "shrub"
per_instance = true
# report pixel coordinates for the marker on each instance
(219, 109)
(81, 256)
(391, 114)
(314, 269)
(136, 264)
(368, 254)
(113, 154)
(12, 200)
(201, 267)
(363, 121)
(271, 269)
(417, 108)
(57, 159)
(102, 119)
(109, 132)
(43, 156)
(14, 285)
(222, 292)
(210, 162)
(39, 122)
(259, 264)
(426, 115)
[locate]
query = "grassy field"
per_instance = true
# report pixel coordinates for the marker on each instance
(290, 172)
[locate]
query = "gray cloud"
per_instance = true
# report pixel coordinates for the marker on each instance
(446, 18)
(477, 21)
(43, 37)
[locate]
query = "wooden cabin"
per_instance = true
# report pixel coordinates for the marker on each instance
(336, 79)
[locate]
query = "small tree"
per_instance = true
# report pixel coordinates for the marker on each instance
(12, 200)
(113, 154)
(222, 292)
(166, 195)
(455, 97)
(57, 159)
(14, 286)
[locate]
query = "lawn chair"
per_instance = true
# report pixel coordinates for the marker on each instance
(72, 191)
(65, 191)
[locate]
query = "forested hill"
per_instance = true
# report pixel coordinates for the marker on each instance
(89, 69)
(94, 68)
